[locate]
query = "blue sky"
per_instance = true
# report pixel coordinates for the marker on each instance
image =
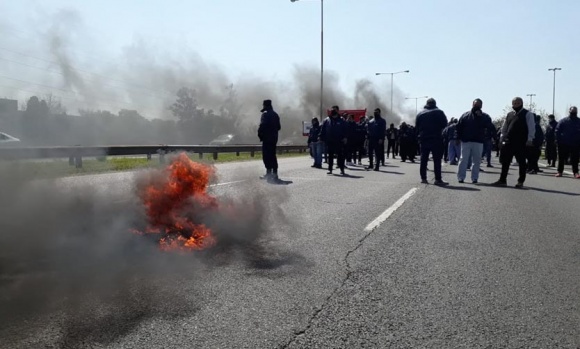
(456, 50)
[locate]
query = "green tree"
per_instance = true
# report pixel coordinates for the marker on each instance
(186, 106)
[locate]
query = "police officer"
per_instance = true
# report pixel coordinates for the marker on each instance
(268, 134)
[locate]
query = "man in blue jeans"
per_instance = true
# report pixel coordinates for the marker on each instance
(315, 143)
(429, 125)
(471, 130)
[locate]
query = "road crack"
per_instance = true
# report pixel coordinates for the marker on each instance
(349, 273)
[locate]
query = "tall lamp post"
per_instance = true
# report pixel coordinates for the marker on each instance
(531, 95)
(321, 58)
(416, 104)
(392, 74)
(554, 90)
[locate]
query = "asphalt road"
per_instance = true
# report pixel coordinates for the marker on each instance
(463, 266)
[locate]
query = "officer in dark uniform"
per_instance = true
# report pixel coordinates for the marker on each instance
(377, 128)
(333, 134)
(268, 134)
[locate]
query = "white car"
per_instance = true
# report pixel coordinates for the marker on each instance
(7, 139)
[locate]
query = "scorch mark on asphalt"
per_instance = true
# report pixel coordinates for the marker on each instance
(389, 211)
(369, 230)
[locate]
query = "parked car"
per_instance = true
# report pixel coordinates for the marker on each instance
(6, 139)
(227, 139)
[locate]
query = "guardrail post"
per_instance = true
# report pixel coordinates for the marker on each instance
(79, 161)
(161, 157)
(200, 156)
(148, 156)
(215, 155)
(252, 153)
(71, 161)
(237, 153)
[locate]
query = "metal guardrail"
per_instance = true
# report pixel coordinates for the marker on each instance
(76, 154)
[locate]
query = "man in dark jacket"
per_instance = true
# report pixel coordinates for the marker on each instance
(430, 124)
(535, 150)
(376, 131)
(551, 149)
(517, 133)
(268, 134)
(351, 139)
(361, 137)
(450, 134)
(392, 139)
(471, 129)
(333, 134)
(568, 139)
(315, 144)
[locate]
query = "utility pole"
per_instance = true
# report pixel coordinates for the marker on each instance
(554, 90)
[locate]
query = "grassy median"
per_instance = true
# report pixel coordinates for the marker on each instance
(60, 168)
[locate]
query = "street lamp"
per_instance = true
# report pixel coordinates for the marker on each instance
(321, 58)
(416, 105)
(399, 72)
(554, 91)
(531, 95)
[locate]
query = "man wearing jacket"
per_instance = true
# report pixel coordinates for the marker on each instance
(429, 126)
(268, 135)
(454, 146)
(551, 149)
(361, 137)
(392, 139)
(535, 150)
(517, 133)
(315, 143)
(568, 139)
(333, 134)
(376, 130)
(471, 129)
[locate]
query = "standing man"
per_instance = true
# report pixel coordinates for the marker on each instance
(430, 124)
(568, 139)
(471, 130)
(333, 134)
(376, 131)
(361, 137)
(392, 138)
(268, 134)
(535, 150)
(454, 145)
(517, 133)
(315, 143)
(351, 136)
(551, 152)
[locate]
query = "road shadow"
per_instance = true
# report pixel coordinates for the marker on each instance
(346, 175)
(458, 188)
(389, 172)
(281, 182)
(531, 189)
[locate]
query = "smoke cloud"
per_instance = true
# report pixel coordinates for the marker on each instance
(72, 273)
(146, 78)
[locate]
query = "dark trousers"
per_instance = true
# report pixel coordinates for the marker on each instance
(335, 149)
(565, 151)
(506, 156)
(407, 151)
(551, 153)
(487, 145)
(533, 158)
(360, 151)
(391, 147)
(435, 148)
(269, 157)
(377, 151)
(445, 150)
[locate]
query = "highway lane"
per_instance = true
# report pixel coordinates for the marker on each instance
(464, 266)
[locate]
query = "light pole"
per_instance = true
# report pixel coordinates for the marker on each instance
(416, 104)
(392, 74)
(554, 91)
(531, 95)
(321, 58)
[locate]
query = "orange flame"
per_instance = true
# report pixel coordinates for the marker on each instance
(170, 201)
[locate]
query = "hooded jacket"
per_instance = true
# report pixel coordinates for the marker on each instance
(472, 127)
(333, 130)
(551, 131)
(568, 131)
(314, 134)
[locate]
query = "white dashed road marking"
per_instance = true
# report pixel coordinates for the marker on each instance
(383, 216)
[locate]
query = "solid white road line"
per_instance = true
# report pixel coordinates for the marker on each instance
(383, 216)
(227, 183)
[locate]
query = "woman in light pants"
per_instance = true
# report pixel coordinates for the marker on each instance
(470, 150)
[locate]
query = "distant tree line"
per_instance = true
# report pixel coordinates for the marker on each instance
(45, 122)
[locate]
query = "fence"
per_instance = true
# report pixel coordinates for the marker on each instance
(76, 154)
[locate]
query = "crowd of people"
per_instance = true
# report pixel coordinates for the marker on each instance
(465, 142)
